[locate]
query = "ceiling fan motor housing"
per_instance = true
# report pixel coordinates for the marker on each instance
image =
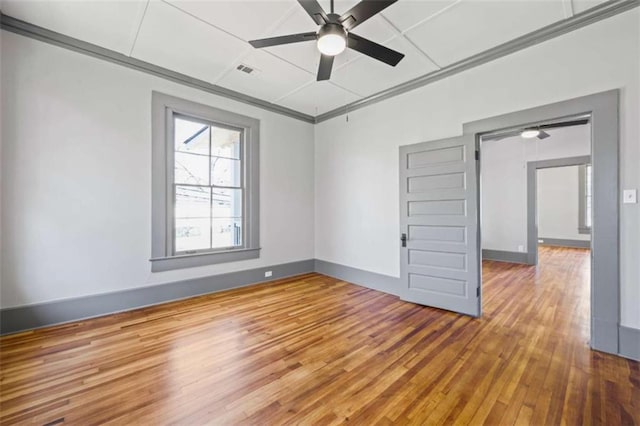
(332, 28)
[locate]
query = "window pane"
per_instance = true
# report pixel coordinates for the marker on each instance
(227, 232)
(225, 142)
(191, 136)
(191, 168)
(227, 203)
(225, 172)
(192, 234)
(193, 218)
(193, 201)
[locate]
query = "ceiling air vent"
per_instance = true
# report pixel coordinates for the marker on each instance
(247, 69)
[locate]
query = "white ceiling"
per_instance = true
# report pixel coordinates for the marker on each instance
(207, 39)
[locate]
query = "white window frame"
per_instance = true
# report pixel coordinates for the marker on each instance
(163, 256)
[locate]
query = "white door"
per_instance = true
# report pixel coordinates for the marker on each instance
(439, 253)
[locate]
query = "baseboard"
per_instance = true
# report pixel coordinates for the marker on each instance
(46, 314)
(505, 256)
(372, 280)
(608, 337)
(57, 312)
(629, 342)
(560, 242)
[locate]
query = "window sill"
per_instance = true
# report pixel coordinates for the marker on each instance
(160, 264)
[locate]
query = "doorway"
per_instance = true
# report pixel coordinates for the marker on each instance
(570, 178)
(602, 110)
(509, 160)
(439, 199)
(535, 225)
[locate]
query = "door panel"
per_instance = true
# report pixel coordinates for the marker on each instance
(440, 264)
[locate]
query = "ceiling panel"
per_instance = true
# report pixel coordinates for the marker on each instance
(405, 14)
(367, 76)
(273, 79)
(306, 55)
(472, 26)
(582, 5)
(247, 19)
(172, 39)
(318, 98)
(115, 29)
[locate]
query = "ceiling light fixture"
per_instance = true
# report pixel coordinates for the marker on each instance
(332, 39)
(335, 34)
(530, 133)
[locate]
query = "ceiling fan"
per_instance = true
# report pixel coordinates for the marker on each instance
(535, 131)
(334, 34)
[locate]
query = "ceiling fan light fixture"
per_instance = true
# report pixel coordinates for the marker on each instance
(530, 133)
(335, 34)
(332, 39)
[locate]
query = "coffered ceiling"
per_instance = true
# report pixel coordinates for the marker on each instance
(207, 39)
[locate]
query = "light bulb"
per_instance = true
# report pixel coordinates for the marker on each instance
(331, 44)
(530, 133)
(332, 39)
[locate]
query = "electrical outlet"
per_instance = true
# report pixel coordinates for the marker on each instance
(267, 274)
(630, 196)
(521, 249)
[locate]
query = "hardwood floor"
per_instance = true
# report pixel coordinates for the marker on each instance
(315, 350)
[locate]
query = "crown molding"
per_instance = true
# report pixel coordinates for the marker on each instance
(27, 29)
(590, 16)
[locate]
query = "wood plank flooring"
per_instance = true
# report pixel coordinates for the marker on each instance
(316, 350)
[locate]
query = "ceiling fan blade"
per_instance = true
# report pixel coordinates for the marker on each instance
(363, 11)
(275, 41)
(313, 8)
(374, 50)
(324, 69)
(565, 124)
(543, 135)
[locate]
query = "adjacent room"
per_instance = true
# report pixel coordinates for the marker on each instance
(536, 215)
(319, 212)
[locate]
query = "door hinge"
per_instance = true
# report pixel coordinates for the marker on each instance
(477, 291)
(477, 155)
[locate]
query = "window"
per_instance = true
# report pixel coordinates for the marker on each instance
(205, 185)
(586, 199)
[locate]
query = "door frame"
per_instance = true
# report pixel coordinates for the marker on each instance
(532, 197)
(605, 235)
